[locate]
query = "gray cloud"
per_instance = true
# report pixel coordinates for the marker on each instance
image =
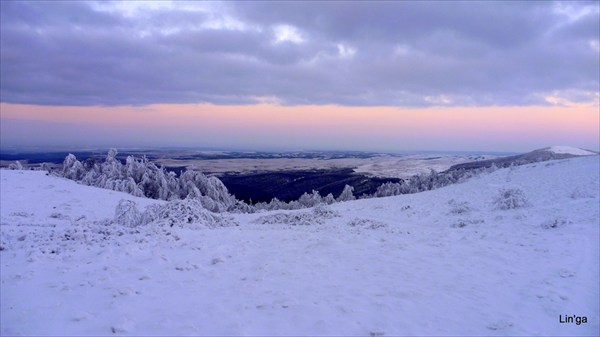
(346, 53)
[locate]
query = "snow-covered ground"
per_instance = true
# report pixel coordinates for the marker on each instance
(562, 149)
(417, 264)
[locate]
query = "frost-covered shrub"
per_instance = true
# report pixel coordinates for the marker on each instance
(22, 214)
(59, 216)
(390, 189)
(325, 212)
(240, 207)
(580, 193)
(263, 206)
(45, 167)
(554, 223)
(310, 200)
(184, 213)
(294, 219)
(15, 166)
(510, 199)
(428, 181)
(366, 223)
(127, 213)
(465, 222)
(458, 207)
(305, 201)
(317, 216)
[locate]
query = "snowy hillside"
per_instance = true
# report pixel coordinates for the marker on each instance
(502, 254)
(560, 149)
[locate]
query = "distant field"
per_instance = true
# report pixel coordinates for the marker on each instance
(262, 176)
(381, 165)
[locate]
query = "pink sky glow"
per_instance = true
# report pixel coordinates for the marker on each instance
(265, 127)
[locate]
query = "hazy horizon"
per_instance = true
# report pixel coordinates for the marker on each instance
(125, 148)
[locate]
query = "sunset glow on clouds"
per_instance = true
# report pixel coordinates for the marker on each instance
(393, 76)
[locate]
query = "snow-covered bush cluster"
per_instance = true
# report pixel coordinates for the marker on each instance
(510, 199)
(366, 223)
(180, 213)
(142, 178)
(16, 166)
(317, 216)
(294, 219)
(184, 213)
(427, 181)
(127, 214)
(465, 222)
(325, 212)
(458, 207)
(418, 183)
(307, 200)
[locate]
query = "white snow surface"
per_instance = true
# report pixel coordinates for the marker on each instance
(562, 149)
(417, 264)
(386, 166)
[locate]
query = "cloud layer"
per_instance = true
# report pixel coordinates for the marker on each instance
(405, 54)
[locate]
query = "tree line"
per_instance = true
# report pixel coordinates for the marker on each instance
(140, 177)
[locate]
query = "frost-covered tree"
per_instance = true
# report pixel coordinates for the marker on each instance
(310, 200)
(347, 194)
(329, 199)
(72, 168)
(210, 190)
(15, 166)
(140, 177)
(127, 214)
(390, 189)
(45, 167)
(276, 204)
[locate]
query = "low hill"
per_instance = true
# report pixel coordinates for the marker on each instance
(547, 153)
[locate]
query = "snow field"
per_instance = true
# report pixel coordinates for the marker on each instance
(441, 262)
(570, 150)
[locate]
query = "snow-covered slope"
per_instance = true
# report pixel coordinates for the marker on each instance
(34, 196)
(539, 155)
(442, 262)
(561, 149)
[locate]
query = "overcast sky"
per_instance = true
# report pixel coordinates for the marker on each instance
(401, 54)
(293, 53)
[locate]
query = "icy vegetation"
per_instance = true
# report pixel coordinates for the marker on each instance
(142, 178)
(504, 253)
(510, 199)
